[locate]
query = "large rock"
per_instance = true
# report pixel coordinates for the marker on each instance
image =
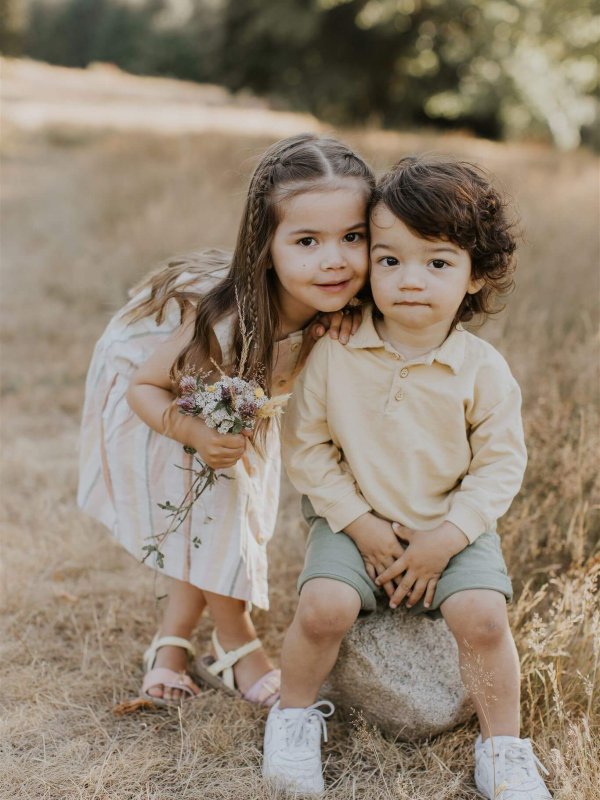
(402, 673)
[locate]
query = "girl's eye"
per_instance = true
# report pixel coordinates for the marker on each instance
(438, 263)
(388, 261)
(353, 237)
(306, 241)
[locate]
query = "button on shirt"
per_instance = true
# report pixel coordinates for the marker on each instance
(422, 441)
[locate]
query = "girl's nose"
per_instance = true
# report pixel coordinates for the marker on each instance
(333, 258)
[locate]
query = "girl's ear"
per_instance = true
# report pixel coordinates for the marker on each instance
(475, 285)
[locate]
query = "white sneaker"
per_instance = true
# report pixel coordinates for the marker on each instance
(292, 752)
(509, 770)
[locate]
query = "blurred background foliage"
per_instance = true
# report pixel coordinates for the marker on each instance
(501, 68)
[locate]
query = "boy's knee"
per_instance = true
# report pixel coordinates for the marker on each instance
(478, 625)
(484, 630)
(327, 608)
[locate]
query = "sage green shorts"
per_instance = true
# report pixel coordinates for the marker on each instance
(334, 555)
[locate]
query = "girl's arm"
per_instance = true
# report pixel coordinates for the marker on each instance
(150, 396)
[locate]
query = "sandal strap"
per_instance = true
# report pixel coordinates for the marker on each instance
(226, 660)
(162, 676)
(265, 692)
(165, 641)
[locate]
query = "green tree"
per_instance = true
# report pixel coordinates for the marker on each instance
(499, 67)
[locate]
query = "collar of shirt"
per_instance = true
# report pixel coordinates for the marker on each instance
(451, 352)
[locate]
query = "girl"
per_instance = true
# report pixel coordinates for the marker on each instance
(301, 249)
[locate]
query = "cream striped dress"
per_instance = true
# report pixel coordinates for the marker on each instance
(127, 469)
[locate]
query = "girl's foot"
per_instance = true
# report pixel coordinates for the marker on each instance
(165, 662)
(176, 659)
(248, 669)
(242, 668)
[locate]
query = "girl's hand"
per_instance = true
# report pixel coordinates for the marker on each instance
(218, 450)
(340, 324)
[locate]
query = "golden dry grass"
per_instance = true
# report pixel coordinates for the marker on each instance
(84, 215)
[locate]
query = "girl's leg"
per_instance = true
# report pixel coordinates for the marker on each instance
(489, 662)
(185, 605)
(235, 628)
(326, 611)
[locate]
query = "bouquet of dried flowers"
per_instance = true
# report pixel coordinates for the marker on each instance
(231, 405)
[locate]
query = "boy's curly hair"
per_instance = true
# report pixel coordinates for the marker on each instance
(440, 198)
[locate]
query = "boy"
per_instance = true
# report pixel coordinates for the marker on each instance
(409, 444)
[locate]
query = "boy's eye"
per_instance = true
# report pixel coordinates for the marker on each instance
(388, 261)
(306, 241)
(355, 236)
(439, 263)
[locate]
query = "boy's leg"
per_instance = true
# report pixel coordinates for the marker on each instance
(185, 604)
(490, 670)
(326, 611)
(488, 657)
(292, 752)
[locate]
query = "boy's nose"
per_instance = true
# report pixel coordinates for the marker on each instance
(411, 277)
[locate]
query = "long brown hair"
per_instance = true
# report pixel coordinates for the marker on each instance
(291, 166)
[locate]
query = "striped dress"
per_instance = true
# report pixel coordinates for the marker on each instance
(127, 469)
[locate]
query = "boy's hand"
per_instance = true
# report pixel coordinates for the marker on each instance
(340, 324)
(378, 545)
(423, 561)
(218, 450)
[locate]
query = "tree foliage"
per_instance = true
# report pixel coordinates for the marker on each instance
(500, 67)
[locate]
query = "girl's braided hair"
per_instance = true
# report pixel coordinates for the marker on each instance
(291, 166)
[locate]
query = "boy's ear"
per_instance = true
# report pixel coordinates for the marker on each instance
(475, 285)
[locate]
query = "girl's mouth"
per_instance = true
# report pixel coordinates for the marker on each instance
(332, 288)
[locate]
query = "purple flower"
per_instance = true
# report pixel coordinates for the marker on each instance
(187, 384)
(247, 409)
(187, 403)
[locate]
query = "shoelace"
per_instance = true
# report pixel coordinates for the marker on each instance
(297, 729)
(519, 755)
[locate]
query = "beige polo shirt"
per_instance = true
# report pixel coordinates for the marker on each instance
(422, 441)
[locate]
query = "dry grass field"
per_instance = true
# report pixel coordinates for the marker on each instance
(85, 212)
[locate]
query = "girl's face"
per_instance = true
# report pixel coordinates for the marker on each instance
(319, 250)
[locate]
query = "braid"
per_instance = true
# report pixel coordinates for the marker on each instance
(259, 189)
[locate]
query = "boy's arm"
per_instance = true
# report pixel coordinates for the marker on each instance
(312, 460)
(497, 466)
(499, 458)
(314, 466)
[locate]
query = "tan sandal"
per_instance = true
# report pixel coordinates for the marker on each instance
(163, 676)
(265, 692)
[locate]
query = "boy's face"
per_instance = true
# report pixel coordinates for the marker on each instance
(418, 284)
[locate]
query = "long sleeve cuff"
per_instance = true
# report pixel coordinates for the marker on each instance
(471, 523)
(345, 511)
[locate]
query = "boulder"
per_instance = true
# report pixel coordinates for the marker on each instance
(402, 672)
